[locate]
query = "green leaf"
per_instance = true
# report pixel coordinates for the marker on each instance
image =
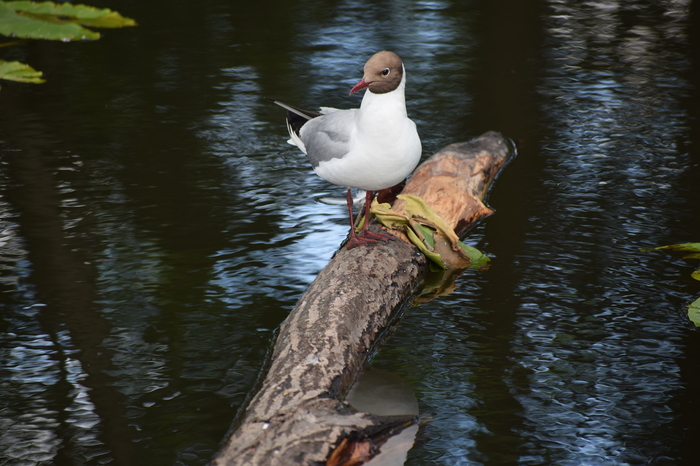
(426, 234)
(696, 274)
(689, 247)
(16, 71)
(478, 258)
(694, 312)
(64, 21)
(429, 233)
(432, 255)
(694, 249)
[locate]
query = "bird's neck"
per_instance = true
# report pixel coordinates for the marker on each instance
(392, 102)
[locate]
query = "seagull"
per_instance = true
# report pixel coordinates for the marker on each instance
(372, 147)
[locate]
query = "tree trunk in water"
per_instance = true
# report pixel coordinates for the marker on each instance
(298, 415)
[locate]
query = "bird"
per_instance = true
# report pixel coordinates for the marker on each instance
(370, 148)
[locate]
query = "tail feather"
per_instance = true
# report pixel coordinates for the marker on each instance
(305, 114)
(296, 118)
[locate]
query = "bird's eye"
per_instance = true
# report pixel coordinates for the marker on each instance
(386, 71)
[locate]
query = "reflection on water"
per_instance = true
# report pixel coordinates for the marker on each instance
(601, 348)
(578, 364)
(155, 229)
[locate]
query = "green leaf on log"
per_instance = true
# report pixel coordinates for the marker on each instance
(477, 258)
(429, 233)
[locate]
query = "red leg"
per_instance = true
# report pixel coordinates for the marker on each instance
(366, 233)
(354, 240)
(365, 236)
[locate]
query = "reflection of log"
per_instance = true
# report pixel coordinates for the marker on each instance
(298, 415)
(65, 283)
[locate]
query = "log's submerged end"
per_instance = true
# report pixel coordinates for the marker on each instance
(298, 416)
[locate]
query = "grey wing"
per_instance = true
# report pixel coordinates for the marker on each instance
(328, 136)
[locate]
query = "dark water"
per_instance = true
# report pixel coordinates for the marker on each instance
(155, 228)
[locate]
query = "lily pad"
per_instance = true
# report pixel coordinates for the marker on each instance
(21, 72)
(52, 21)
(694, 249)
(694, 312)
(688, 247)
(696, 274)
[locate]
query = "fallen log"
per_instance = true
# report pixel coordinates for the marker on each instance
(298, 415)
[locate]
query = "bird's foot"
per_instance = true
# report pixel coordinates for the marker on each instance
(374, 237)
(367, 237)
(356, 241)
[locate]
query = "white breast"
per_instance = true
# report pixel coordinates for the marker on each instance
(384, 146)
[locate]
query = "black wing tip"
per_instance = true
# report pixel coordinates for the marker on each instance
(296, 121)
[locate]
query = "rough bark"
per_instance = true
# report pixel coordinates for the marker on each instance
(298, 414)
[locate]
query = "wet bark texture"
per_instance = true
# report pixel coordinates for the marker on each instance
(298, 415)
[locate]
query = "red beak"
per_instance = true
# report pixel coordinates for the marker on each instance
(359, 86)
